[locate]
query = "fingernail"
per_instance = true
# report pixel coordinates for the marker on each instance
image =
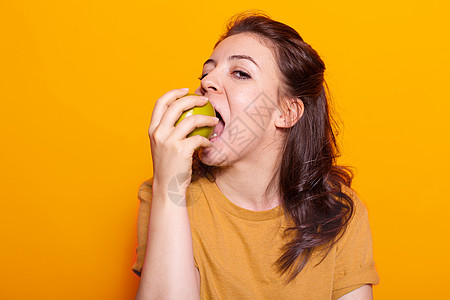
(216, 119)
(204, 98)
(185, 89)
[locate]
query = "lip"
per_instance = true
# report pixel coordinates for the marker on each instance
(215, 107)
(224, 124)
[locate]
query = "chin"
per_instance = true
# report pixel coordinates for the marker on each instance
(211, 157)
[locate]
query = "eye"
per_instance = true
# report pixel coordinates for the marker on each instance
(202, 76)
(242, 75)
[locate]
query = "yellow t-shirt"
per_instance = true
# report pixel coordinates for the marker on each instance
(235, 248)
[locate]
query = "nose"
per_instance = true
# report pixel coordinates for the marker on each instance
(211, 83)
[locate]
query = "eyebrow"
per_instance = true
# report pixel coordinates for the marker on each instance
(232, 57)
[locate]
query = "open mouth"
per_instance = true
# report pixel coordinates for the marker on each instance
(219, 128)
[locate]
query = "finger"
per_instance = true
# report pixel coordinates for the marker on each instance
(190, 123)
(162, 104)
(197, 141)
(178, 107)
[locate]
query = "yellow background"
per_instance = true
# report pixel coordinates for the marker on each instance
(78, 80)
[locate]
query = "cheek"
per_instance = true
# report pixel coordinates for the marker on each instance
(243, 101)
(257, 111)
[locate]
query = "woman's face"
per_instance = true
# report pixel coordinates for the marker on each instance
(240, 79)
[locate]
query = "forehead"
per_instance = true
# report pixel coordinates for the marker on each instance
(245, 44)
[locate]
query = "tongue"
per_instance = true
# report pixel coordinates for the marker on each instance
(218, 129)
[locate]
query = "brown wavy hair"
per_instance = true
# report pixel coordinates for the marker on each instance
(310, 182)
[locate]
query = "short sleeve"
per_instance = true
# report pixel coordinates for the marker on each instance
(145, 197)
(354, 266)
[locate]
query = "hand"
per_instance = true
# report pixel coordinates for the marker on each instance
(171, 150)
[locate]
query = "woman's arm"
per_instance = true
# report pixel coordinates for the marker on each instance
(362, 293)
(169, 271)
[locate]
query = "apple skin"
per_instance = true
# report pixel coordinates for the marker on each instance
(207, 110)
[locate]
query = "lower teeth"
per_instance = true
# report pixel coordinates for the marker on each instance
(214, 135)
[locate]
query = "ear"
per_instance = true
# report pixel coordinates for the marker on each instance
(290, 114)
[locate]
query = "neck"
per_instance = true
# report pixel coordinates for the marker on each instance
(246, 182)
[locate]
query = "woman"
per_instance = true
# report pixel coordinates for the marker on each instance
(261, 210)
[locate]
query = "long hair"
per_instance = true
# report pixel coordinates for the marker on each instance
(310, 182)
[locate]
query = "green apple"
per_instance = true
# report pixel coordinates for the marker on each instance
(207, 110)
